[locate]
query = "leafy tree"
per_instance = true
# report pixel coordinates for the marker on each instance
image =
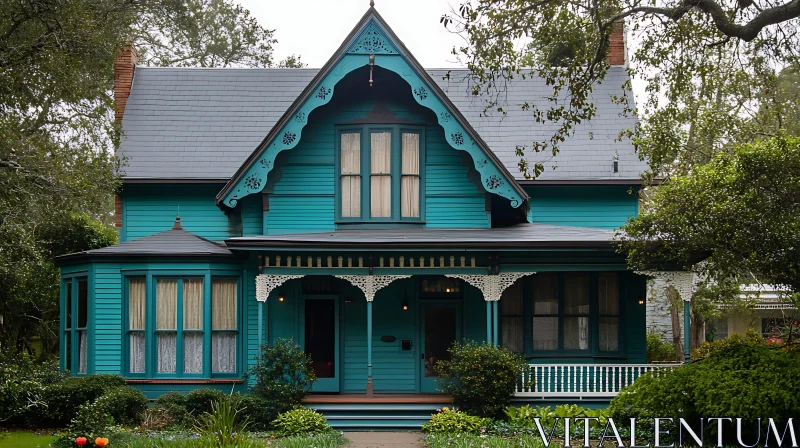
(58, 136)
(742, 209)
(206, 33)
(686, 51)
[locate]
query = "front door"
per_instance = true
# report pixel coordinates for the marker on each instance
(321, 341)
(440, 328)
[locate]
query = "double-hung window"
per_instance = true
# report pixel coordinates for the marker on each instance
(76, 318)
(379, 169)
(183, 328)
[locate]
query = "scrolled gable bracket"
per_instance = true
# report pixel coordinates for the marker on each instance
(266, 283)
(255, 178)
(371, 284)
(491, 286)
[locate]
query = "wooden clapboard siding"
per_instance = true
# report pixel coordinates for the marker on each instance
(150, 209)
(607, 206)
(252, 215)
(108, 326)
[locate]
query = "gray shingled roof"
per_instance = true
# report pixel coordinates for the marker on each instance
(520, 235)
(170, 243)
(203, 123)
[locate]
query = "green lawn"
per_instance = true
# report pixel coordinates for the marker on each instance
(17, 439)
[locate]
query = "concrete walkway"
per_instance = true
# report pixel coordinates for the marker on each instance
(384, 439)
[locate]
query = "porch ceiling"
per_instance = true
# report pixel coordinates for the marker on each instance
(521, 236)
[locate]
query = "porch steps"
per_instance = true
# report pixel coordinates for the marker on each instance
(376, 416)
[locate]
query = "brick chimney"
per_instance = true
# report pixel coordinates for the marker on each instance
(123, 77)
(616, 51)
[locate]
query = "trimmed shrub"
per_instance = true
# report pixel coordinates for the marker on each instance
(480, 377)
(453, 421)
(173, 407)
(103, 381)
(125, 404)
(22, 384)
(301, 421)
(63, 399)
(741, 377)
(283, 372)
(658, 350)
(200, 401)
(259, 411)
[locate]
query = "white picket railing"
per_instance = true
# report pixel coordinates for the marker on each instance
(581, 380)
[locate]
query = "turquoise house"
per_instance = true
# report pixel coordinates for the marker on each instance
(371, 211)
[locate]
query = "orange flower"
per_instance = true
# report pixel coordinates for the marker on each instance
(80, 441)
(101, 442)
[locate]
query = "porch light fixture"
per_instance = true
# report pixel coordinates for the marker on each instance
(347, 299)
(280, 296)
(405, 303)
(641, 300)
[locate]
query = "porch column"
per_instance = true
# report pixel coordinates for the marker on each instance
(369, 348)
(260, 322)
(370, 285)
(489, 322)
(492, 287)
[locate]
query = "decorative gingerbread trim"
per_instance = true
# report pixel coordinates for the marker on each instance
(491, 286)
(371, 284)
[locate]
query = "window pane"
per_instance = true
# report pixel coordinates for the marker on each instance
(68, 294)
(410, 153)
(409, 196)
(166, 304)
(193, 352)
(136, 304)
(576, 333)
(223, 302)
(136, 363)
(381, 192)
(609, 334)
(82, 338)
(608, 293)
(545, 333)
(351, 153)
(513, 334)
(167, 356)
(576, 293)
(193, 304)
(545, 293)
(223, 352)
(351, 196)
(83, 303)
(381, 152)
(511, 300)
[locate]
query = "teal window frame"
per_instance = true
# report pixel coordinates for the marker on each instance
(151, 340)
(70, 317)
(594, 345)
(365, 131)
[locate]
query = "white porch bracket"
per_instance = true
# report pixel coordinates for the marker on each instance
(370, 285)
(492, 288)
(683, 282)
(265, 284)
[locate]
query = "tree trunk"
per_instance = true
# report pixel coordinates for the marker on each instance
(698, 329)
(677, 329)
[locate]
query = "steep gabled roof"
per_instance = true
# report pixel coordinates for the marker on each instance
(367, 38)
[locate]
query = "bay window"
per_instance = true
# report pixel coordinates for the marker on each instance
(379, 174)
(183, 328)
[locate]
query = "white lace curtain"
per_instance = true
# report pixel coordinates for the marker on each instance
(381, 177)
(409, 180)
(167, 319)
(576, 301)
(545, 306)
(223, 326)
(193, 326)
(136, 322)
(351, 175)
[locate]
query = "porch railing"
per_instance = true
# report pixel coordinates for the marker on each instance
(581, 380)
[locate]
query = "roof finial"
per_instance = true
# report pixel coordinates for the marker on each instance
(371, 3)
(177, 225)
